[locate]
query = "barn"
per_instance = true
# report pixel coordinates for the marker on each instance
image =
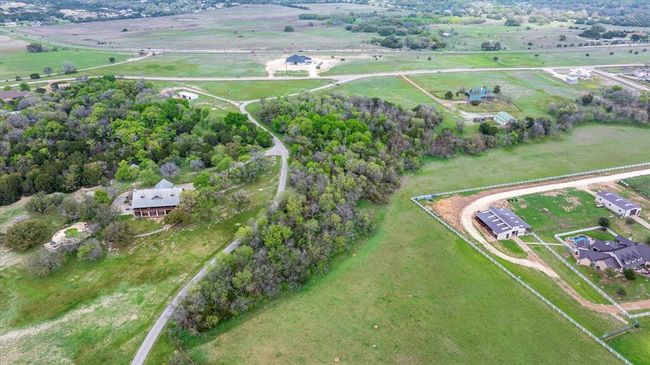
(502, 223)
(617, 204)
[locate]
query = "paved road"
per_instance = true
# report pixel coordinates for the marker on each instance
(622, 80)
(340, 79)
(278, 149)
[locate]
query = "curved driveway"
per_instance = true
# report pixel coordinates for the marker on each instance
(482, 203)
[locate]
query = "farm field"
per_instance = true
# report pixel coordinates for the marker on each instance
(98, 313)
(258, 27)
(22, 63)
(404, 61)
(249, 90)
(424, 321)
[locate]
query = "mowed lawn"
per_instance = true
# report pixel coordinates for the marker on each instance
(22, 63)
(249, 90)
(431, 297)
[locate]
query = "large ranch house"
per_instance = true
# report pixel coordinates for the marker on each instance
(617, 204)
(618, 254)
(156, 202)
(502, 223)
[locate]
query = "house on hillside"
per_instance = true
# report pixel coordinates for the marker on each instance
(476, 95)
(9, 96)
(504, 118)
(617, 204)
(156, 202)
(298, 60)
(619, 254)
(502, 223)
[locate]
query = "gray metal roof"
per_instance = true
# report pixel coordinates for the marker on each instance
(618, 200)
(153, 198)
(164, 184)
(10, 95)
(501, 220)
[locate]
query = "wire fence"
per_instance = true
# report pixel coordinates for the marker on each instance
(581, 275)
(523, 283)
(541, 179)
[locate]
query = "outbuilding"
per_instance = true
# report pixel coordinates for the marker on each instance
(617, 204)
(502, 223)
(8, 96)
(503, 118)
(187, 95)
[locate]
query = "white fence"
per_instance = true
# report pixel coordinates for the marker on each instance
(610, 169)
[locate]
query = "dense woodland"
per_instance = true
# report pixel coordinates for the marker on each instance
(344, 150)
(81, 135)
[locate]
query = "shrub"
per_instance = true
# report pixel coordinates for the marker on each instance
(178, 216)
(69, 67)
(101, 196)
(629, 274)
(449, 95)
(621, 292)
(38, 203)
(46, 262)
(26, 234)
(90, 251)
(111, 59)
(288, 28)
(629, 221)
(118, 232)
(604, 222)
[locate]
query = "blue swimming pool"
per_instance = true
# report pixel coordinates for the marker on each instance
(580, 239)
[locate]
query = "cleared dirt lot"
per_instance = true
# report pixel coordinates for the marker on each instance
(241, 27)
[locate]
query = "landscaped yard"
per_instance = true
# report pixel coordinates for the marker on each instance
(432, 298)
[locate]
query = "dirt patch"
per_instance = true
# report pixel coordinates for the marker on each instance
(572, 201)
(318, 65)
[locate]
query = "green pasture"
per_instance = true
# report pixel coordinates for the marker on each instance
(420, 60)
(425, 290)
(22, 63)
(249, 90)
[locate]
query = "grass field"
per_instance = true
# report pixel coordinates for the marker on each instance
(98, 313)
(524, 93)
(433, 299)
(22, 63)
(206, 65)
(418, 61)
(242, 27)
(249, 90)
(640, 184)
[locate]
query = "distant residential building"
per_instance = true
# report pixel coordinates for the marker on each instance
(571, 79)
(298, 60)
(503, 118)
(580, 73)
(618, 254)
(502, 223)
(156, 202)
(8, 96)
(187, 95)
(617, 204)
(477, 95)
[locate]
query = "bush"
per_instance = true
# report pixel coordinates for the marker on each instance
(38, 203)
(288, 28)
(69, 67)
(621, 292)
(46, 262)
(118, 232)
(629, 274)
(449, 95)
(604, 222)
(629, 221)
(178, 216)
(26, 234)
(90, 251)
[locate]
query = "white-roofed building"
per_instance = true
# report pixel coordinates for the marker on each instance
(617, 204)
(187, 95)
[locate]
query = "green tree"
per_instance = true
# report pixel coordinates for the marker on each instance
(38, 203)
(23, 86)
(604, 222)
(449, 95)
(26, 234)
(288, 28)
